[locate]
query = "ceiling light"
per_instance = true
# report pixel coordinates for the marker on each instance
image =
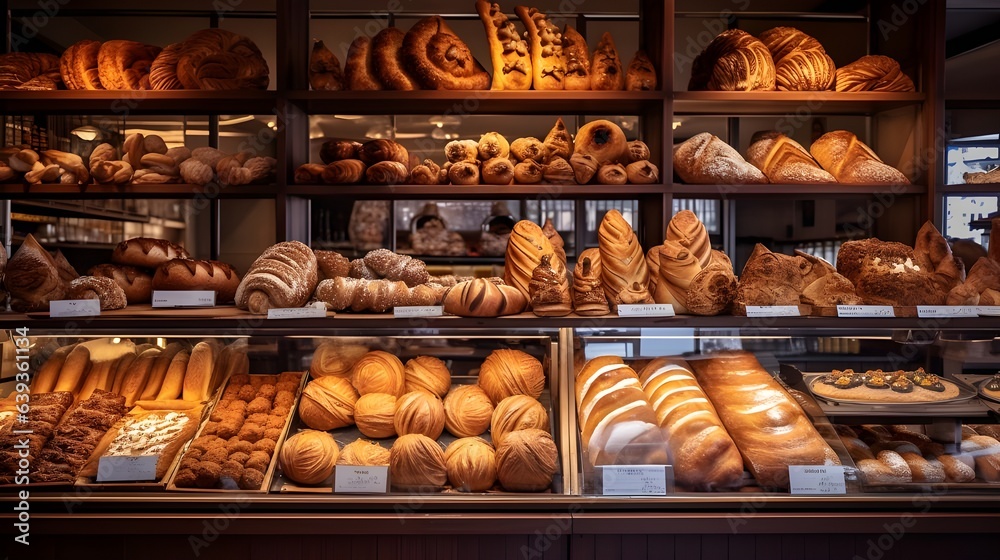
(86, 133)
(677, 124)
(444, 120)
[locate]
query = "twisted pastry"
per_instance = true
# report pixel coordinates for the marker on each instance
(873, 73)
(800, 62)
(386, 173)
(125, 64)
(283, 276)
(221, 60)
(78, 65)
(733, 61)
(525, 249)
(623, 265)
(394, 266)
(439, 59)
(588, 291)
(163, 72)
(359, 71)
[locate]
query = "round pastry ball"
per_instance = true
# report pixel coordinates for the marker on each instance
(518, 412)
(374, 415)
(416, 462)
(364, 453)
(335, 359)
(511, 372)
(379, 372)
(309, 456)
(328, 403)
(526, 461)
(471, 464)
(427, 373)
(467, 411)
(419, 412)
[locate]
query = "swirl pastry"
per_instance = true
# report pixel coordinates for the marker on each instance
(623, 265)
(547, 67)
(439, 59)
(285, 275)
(221, 60)
(549, 289)
(344, 172)
(525, 249)
(125, 64)
(78, 65)
(387, 62)
(386, 173)
(163, 72)
(800, 61)
(733, 61)
(588, 290)
(508, 50)
(359, 72)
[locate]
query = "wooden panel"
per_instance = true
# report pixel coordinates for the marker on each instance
(792, 548)
(714, 547)
(660, 547)
(467, 547)
(363, 547)
(634, 546)
(741, 547)
(687, 546)
(609, 547)
(768, 546)
(582, 547)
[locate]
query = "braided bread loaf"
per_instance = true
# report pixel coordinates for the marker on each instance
(285, 275)
(800, 62)
(733, 61)
(220, 59)
(375, 295)
(873, 73)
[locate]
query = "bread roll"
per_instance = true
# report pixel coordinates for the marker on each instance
(331, 358)
(464, 173)
(733, 61)
(188, 274)
(374, 415)
(419, 412)
(78, 65)
(125, 64)
(704, 159)
(468, 411)
(703, 454)
(416, 462)
(527, 461)
(328, 403)
(438, 58)
(640, 75)
(545, 42)
(427, 373)
(198, 377)
(769, 427)
(498, 171)
(386, 173)
(105, 290)
(379, 372)
(509, 52)
(471, 464)
(344, 172)
(850, 160)
(363, 453)
(558, 171)
(517, 412)
(507, 372)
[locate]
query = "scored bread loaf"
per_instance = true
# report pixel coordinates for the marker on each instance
(481, 298)
(577, 58)
(785, 161)
(850, 160)
(198, 376)
(137, 284)
(191, 274)
(606, 66)
(617, 424)
(769, 427)
(704, 159)
(703, 454)
(147, 252)
(285, 275)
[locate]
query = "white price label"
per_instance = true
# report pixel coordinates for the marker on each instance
(418, 311)
(931, 311)
(634, 480)
(127, 468)
(773, 311)
(645, 310)
(183, 298)
(813, 479)
(75, 308)
(310, 312)
(865, 311)
(361, 480)
(988, 310)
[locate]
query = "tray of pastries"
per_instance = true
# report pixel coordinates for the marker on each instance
(899, 387)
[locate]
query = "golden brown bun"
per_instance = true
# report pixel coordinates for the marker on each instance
(800, 62)
(419, 412)
(427, 373)
(528, 172)
(285, 275)
(584, 167)
(32, 278)
(416, 462)
(481, 298)
(527, 461)
(467, 410)
(640, 76)
(379, 372)
(529, 148)
(374, 414)
(386, 173)
(438, 59)
(769, 427)
(545, 41)
(331, 358)
(507, 372)
(623, 266)
(328, 403)
(325, 73)
(525, 249)
(602, 139)
(606, 67)
(375, 151)
(125, 64)
(873, 73)
(785, 161)
(559, 172)
(703, 454)
(29, 71)
(471, 464)
(387, 60)
(163, 72)
(188, 274)
(733, 61)
(309, 457)
(558, 141)
(509, 52)
(105, 290)
(221, 60)
(78, 65)
(498, 171)
(704, 159)
(850, 160)
(359, 73)
(517, 412)
(577, 58)
(146, 252)
(612, 174)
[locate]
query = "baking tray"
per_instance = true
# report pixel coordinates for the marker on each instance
(344, 436)
(266, 483)
(813, 378)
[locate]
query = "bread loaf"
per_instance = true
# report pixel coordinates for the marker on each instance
(704, 159)
(800, 62)
(96, 378)
(146, 252)
(73, 370)
(190, 274)
(873, 73)
(769, 279)
(158, 371)
(125, 64)
(481, 298)
(577, 59)
(137, 284)
(47, 376)
(137, 376)
(933, 255)
(78, 65)
(525, 248)
(439, 59)
(606, 67)
(785, 161)
(703, 454)
(617, 424)
(545, 42)
(172, 387)
(32, 278)
(198, 376)
(549, 288)
(218, 59)
(29, 71)
(602, 139)
(285, 275)
(105, 290)
(769, 427)
(509, 52)
(850, 160)
(886, 273)
(733, 61)
(387, 60)
(623, 265)
(325, 73)
(640, 75)
(359, 73)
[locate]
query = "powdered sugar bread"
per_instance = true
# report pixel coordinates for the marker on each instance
(704, 159)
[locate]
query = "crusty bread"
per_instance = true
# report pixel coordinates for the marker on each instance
(482, 298)
(218, 59)
(933, 254)
(623, 266)
(191, 274)
(32, 277)
(769, 279)
(285, 275)
(733, 61)
(785, 161)
(147, 252)
(509, 52)
(577, 57)
(173, 382)
(325, 72)
(198, 377)
(640, 75)
(388, 62)
(525, 248)
(850, 160)
(606, 71)
(545, 41)
(704, 159)
(886, 273)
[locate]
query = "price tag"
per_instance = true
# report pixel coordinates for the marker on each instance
(127, 468)
(75, 308)
(812, 479)
(635, 480)
(773, 311)
(645, 310)
(183, 298)
(931, 311)
(988, 310)
(361, 480)
(311, 312)
(417, 311)
(865, 311)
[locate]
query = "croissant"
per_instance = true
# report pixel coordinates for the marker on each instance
(547, 66)
(336, 150)
(439, 59)
(78, 65)
(285, 275)
(623, 265)
(359, 72)
(221, 60)
(873, 73)
(344, 172)
(163, 72)
(125, 64)
(386, 173)
(387, 60)
(508, 50)
(588, 291)
(733, 61)
(325, 73)
(374, 151)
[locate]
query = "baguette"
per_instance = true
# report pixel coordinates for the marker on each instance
(121, 368)
(169, 404)
(97, 375)
(159, 371)
(198, 377)
(73, 370)
(173, 381)
(48, 374)
(138, 374)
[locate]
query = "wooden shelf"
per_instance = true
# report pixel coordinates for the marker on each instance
(399, 192)
(737, 103)
(455, 102)
(162, 191)
(790, 191)
(125, 103)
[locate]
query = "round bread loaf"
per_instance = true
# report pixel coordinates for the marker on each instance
(374, 414)
(328, 403)
(527, 461)
(509, 372)
(471, 464)
(309, 457)
(416, 462)
(335, 359)
(427, 373)
(517, 412)
(467, 411)
(419, 412)
(379, 372)
(100, 288)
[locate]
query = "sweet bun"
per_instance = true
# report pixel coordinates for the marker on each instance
(374, 415)
(379, 372)
(471, 464)
(419, 412)
(328, 403)
(527, 460)
(468, 411)
(517, 412)
(427, 373)
(416, 462)
(507, 372)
